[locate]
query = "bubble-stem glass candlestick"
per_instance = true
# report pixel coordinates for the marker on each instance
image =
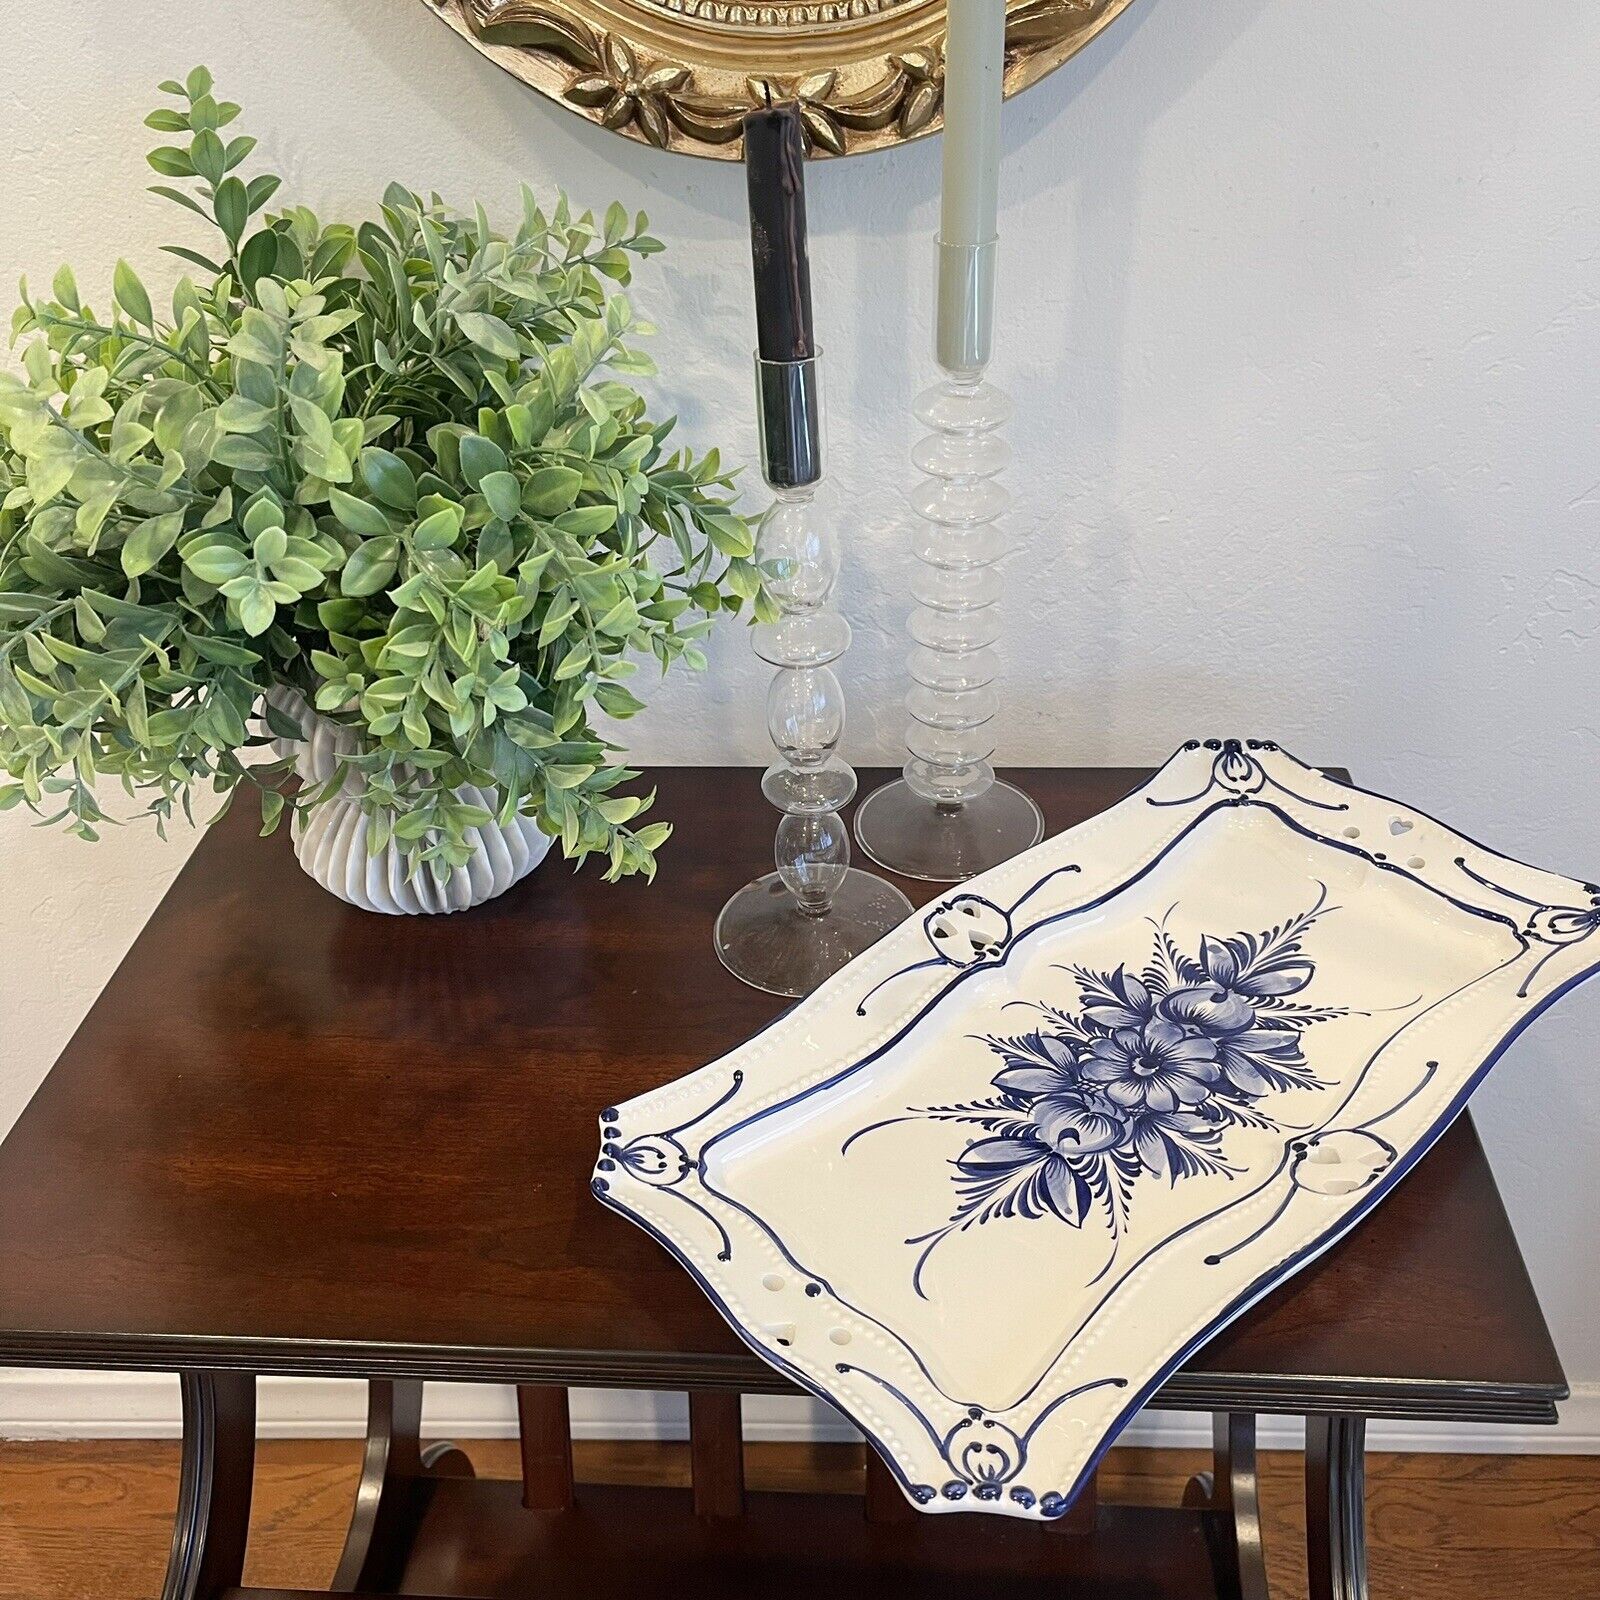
(788, 930)
(948, 817)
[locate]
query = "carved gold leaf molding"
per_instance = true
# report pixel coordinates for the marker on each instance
(682, 74)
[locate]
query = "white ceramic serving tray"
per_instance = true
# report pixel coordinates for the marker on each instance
(987, 1187)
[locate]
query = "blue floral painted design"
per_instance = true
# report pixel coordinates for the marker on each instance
(1141, 1078)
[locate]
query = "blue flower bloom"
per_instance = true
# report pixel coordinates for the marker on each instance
(1258, 1060)
(1079, 1122)
(1208, 1008)
(1144, 1075)
(1126, 1003)
(1049, 1065)
(1241, 967)
(1158, 1067)
(1047, 1180)
(1068, 1116)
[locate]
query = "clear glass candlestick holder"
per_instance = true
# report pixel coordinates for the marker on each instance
(947, 816)
(789, 929)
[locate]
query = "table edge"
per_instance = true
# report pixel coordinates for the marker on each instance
(1442, 1400)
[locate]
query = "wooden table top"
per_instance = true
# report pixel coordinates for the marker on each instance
(294, 1137)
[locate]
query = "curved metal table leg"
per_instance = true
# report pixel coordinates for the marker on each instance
(384, 1519)
(1336, 1511)
(212, 1523)
(1230, 1490)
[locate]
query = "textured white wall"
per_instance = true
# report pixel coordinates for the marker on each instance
(1301, 310)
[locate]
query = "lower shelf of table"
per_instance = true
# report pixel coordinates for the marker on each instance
(473, 1538)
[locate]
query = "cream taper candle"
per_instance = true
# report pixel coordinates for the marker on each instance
(974, 67)
(973, 85)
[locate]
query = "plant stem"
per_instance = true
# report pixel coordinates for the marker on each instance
(83, 325)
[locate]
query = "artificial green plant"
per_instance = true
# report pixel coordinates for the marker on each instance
(393, 466)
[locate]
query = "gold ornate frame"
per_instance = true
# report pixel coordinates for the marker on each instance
(681, 74)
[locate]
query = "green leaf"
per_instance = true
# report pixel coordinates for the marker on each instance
(480, 457)
(209, 647)
(271, 808)
(621, 619)
(439, 531)
(256, 608)
(489, 333)
(389, 478)
(271, 545)
(313, 422)
(615, 701)
(556, 618)
(503, 493)
(178, 197)
(325, 461)
(340, 616)
(216, 564)
(261, 514)
(232, 209)
(562, 776)
(261, 189)
(171, 162)
(90, 628)
(298, 574)
(193, 256)
(621, 808)
(258, 340)
(150, 541)
(572, 664)
(136, 711)
(257, 258)
(729, 532)
(585, 522)
(370, 566)
(14, 704)
(237, 414)
(357, 515)
(131, 295)
(208, 155)
(279, 722)
(243, 453)
(551, 490)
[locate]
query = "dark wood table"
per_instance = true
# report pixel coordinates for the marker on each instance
(292, 1137)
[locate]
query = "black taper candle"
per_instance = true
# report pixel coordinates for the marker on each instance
(774, 161)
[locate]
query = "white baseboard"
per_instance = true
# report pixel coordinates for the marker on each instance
(127, 1405)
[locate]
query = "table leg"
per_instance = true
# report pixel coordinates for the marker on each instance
(1231, 1491)
(376, 1546)
(544, 1424)
(716, 1452)
(212, 1523)
(1336, 1512)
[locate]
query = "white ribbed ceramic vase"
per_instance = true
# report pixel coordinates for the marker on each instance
(331, 843)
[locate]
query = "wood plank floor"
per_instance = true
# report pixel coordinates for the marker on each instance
(91, 1521)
